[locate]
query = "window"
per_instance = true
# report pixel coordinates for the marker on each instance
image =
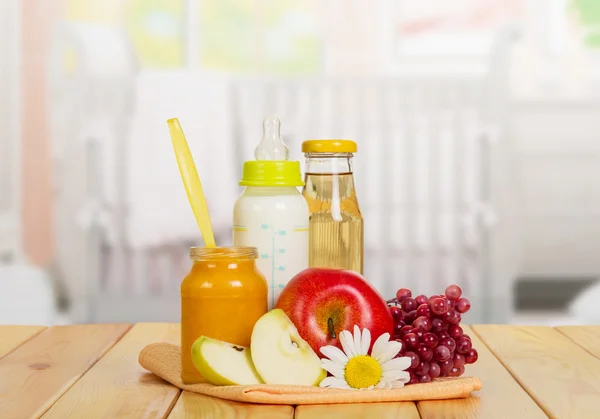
(272, 36)
(155, 27)
(266, 36)
(458, 27)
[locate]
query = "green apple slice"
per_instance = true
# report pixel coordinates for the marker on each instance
(223, 363)
(280, 355)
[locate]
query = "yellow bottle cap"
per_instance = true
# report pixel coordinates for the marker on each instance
(329, 146)
(271, 173)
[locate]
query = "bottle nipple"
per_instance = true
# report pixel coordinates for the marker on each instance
(271, 146)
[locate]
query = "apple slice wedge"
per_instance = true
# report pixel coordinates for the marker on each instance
(280, 355)
(223, 363)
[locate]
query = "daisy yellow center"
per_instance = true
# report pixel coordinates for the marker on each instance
(362, 371)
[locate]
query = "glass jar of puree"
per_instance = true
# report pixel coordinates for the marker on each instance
(222, 297)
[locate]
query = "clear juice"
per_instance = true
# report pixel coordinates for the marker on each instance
(335, 225)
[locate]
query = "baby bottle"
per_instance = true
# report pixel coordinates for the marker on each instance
(271, 214)
(336, 224)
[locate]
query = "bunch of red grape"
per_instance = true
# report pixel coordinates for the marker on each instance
(431, 337)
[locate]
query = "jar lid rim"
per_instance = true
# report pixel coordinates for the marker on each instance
(223, 253)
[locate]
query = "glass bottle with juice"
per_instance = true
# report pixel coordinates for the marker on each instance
(335, 224)
(222, 297)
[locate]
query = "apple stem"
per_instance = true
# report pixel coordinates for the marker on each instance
(330, 328)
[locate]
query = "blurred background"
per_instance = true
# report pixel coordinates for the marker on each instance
(476, 121)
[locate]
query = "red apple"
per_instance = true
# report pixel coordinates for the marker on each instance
(322, 302)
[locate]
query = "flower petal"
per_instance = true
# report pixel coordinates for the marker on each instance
(357, 339)
(398, 383)
(383, 384)
(394, 375)
(335, 354)
(379, 345)
(347, 343)
(365, 341)
(388, 351)
(333, 367)
(401, 364)
(333, 382)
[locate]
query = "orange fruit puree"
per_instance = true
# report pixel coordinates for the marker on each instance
(222, 297)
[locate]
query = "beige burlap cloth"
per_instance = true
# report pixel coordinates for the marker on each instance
(164, 360)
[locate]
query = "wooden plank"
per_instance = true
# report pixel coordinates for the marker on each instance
(117, 386)
(405, 410)
(37, 373)
(13, 336)
(588, 337)
(193, 405)
(563, 378)
(501, 397)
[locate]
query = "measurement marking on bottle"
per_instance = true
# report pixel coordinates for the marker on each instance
(279, 237)
(273, 270)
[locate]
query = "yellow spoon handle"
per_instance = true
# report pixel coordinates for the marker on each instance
(191, 181)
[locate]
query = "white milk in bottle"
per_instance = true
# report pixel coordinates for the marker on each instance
(271, 214)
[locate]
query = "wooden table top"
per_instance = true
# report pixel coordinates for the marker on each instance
(91, 371)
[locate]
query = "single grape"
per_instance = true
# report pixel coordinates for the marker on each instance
(437, 325)
(466, 336)
(442, 353)
(421, 299)
(455, 331)
(422, 368)
(449, 317)
(429, 339)
(411, 340)
(463, 305)
(454, 372)
(405, 329)
(410, 317)
(424, 310)
(449, 303)
(457, 318)
(425, 378)
(448, 343)
(414, 359)
(413, 378)
(423, 323)
(458, 360)
(446, 366)
(453, 292)
(471, 356)
(463, 345)
(409, 304)
(461, 370)
(434, 370)
(396, 313)
(438, 306)
(443, 334)
(418, 331)
(424, 352)
(403, 293)
(398, 329)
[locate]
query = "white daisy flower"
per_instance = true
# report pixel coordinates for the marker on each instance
(354, 368)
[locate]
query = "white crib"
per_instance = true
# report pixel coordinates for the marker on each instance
(432, 172)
